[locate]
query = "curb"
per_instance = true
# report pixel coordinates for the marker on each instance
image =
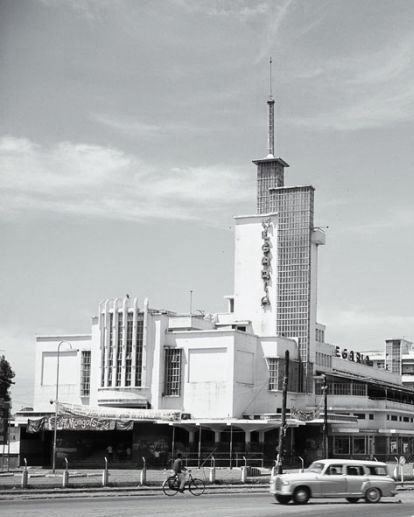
(139, 491)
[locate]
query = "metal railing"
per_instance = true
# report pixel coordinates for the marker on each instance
(225, 459)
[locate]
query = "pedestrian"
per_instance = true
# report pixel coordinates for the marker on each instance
(110, 453)
(180, 471)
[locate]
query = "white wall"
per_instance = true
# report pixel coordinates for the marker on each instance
(69, 370)
(248, 284)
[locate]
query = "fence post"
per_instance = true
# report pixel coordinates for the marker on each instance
(105, 473)
(143, 477)
(65, 475)
(212, 477)
(397, 469)
(244, 471)
(25, 475)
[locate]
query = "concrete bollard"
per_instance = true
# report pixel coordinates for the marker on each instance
(105, 474)
(243, 474)
(143, 475)
(25, 475)
(65, 475)
(212, 473)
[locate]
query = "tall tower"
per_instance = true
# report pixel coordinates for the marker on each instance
(295, 260)
(270, 170)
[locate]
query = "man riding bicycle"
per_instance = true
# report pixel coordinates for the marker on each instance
(180, 471)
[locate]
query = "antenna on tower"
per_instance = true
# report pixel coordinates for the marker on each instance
(271, 104)
(270, 78)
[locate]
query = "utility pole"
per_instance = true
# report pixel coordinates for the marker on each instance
(283, 426)
(325, 416)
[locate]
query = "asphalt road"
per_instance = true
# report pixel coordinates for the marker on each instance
(217, 505)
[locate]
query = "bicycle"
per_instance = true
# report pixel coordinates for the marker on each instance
(172, 485)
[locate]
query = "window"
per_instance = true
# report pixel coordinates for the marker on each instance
(128, 350)
(119, 349)
(360, 416)
(341, 445)
(138, 356)
(85, 382)
(371, 416)
(359, 445)
(394, 418)
(377, 471)
(355, 470)
(273, 373)
(334, 470)
(172, 380)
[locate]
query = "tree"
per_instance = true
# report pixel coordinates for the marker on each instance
(6, 376)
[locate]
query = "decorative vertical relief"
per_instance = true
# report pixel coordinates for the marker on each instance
(266, 261)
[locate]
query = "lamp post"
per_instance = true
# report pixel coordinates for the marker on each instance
(324, 389)
(56, 403)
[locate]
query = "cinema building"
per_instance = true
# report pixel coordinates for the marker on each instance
(147, 382)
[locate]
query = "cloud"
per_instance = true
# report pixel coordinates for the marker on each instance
(368, 91)
(133, 128)
(91, 10)
(270, 34)
(243, 9)
(91, 180)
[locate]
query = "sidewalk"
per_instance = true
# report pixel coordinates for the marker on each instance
(44, 481)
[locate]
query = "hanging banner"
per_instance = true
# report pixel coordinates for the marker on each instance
(67, 423)
(118, 413)
(305, 415)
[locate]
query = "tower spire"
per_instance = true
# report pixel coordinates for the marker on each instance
(271, 128)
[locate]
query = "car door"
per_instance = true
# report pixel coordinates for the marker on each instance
(355, 476)
(332, 481)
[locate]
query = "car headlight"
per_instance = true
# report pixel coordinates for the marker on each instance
(285, 482)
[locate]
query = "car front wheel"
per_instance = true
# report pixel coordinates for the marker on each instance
(301, 495)
(372, 495)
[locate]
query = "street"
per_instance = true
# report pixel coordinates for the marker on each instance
(217, 505)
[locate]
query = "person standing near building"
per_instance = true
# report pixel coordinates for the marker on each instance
(180, 470)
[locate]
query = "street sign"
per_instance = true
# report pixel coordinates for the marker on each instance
(402, 460)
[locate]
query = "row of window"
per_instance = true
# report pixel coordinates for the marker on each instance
(395, 418)
(124, 351)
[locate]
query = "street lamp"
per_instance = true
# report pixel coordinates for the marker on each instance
(56, 403)
(324, 388)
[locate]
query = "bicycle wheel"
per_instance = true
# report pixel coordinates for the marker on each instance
(170, 486)
(197, 486)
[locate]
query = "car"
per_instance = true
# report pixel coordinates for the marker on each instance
(351, 479)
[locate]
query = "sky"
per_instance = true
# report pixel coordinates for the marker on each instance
(127, 134)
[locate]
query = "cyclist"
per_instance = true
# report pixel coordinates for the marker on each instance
(180, 471)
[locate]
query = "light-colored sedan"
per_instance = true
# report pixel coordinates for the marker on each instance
(352, 479)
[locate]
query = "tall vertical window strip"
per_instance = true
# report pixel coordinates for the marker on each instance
(85, 382)
(128, 351)
(119, 349)
(172, 379)
(273, 373)
(138, 346)
(295, 209)
(110, 348)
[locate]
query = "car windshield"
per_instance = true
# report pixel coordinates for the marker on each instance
(315, 467)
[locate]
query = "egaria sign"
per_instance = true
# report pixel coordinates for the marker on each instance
(350, 355)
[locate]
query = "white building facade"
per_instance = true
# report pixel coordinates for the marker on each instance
(148, 382)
